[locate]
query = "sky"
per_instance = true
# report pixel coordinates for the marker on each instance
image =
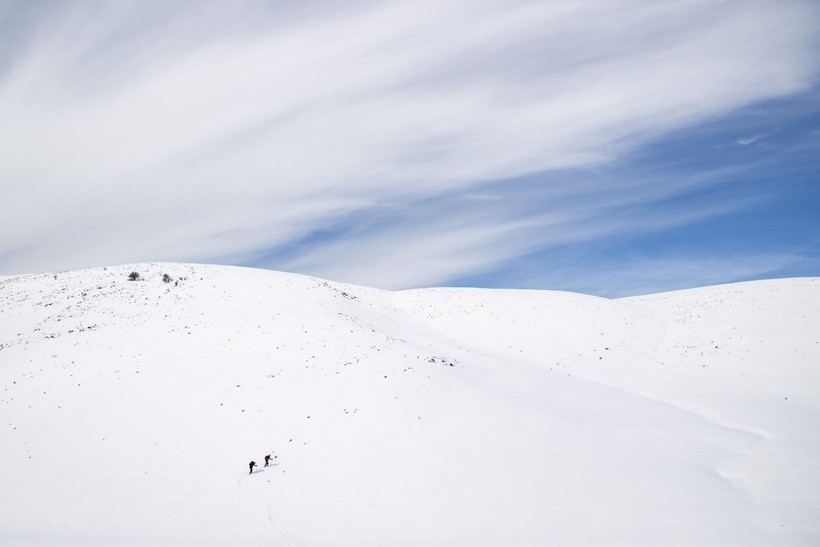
(607, 147)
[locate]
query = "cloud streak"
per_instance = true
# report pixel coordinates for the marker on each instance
(745, 141)
(645, 274)
(192, 133)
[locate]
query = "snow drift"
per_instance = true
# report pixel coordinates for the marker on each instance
(130, 411)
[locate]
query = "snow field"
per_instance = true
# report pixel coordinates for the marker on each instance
(429, 417)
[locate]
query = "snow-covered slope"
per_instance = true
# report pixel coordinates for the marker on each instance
(130, 410)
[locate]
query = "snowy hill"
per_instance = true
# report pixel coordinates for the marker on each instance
(130, 410)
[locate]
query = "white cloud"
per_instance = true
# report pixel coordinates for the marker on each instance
(209, 134)
(745, 141)
(453, 241)
(649, 275)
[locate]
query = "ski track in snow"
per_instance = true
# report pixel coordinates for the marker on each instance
(268, 509)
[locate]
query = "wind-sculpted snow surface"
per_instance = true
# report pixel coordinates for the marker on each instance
(130, 410)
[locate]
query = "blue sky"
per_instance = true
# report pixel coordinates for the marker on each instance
(613, 148)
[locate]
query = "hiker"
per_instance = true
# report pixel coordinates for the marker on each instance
(251, 466)
(267, 460)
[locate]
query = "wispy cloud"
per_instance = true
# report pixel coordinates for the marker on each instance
(457, 236)
(745, 141)
(649, 275)
(196, 132)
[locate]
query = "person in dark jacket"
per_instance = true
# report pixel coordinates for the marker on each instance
(251, 466)
(267, 460)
